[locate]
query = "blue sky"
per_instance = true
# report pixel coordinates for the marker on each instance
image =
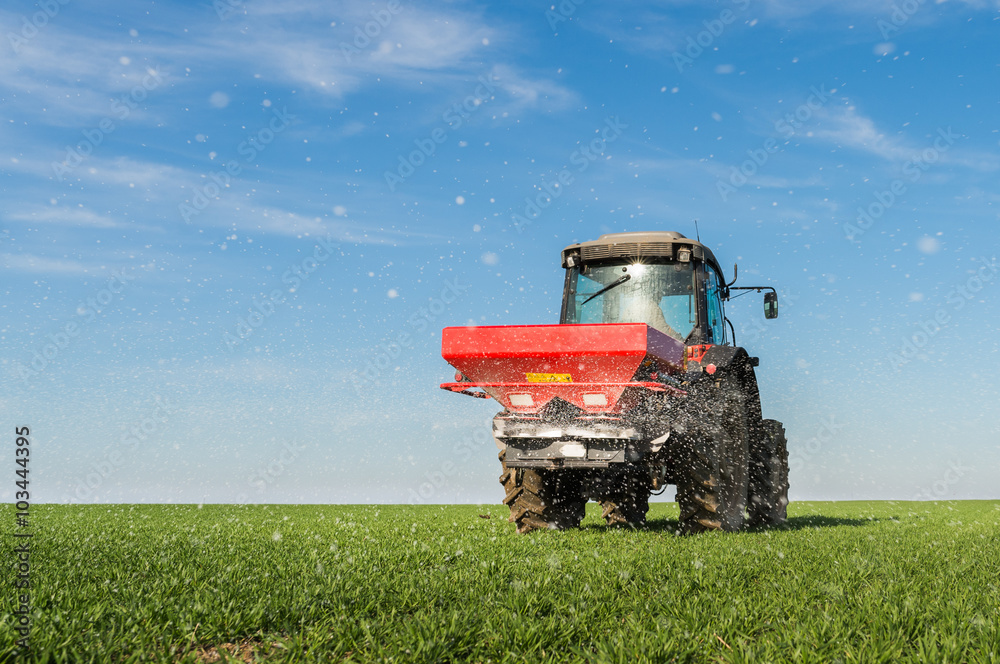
(232, 232)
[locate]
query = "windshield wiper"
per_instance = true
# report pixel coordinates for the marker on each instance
(617, 282)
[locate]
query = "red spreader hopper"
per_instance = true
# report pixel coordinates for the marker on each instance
(593, 367)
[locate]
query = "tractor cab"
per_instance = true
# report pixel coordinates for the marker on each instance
(663, 279)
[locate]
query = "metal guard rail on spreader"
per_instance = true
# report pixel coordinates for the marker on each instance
(462, 388)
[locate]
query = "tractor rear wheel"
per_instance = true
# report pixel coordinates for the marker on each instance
(712, 489)
(768, 491)
(541, 499)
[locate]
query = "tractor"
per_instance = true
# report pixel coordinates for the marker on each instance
(640, 386)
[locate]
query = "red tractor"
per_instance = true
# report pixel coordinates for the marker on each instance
(640, 385)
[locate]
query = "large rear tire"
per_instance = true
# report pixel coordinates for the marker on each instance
(541, 499)
(712, 488)
(768, 491)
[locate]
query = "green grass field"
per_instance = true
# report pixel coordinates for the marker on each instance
(842, 582)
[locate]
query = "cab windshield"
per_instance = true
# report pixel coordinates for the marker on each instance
(661, 295)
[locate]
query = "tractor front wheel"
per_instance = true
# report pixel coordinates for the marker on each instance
(768, 493)
(712, 489)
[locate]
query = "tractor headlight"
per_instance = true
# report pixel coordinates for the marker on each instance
(523, 400)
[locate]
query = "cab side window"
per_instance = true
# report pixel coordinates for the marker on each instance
(716, 315)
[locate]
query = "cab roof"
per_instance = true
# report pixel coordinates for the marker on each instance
(644, 244)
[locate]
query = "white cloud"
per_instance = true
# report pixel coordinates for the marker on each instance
(536, 93)
(282, 222)
(64, 215)
(430, 41)
(845, 127)
(866, 9)
(317, 65)
(145, 175)
(69, 78)
(656, 27)
(641, 30)
(437, 45)
(277, 221)
(29, 263)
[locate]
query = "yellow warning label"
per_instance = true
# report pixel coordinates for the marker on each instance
(549, 378)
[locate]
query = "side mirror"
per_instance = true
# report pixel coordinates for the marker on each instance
(770, 305)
